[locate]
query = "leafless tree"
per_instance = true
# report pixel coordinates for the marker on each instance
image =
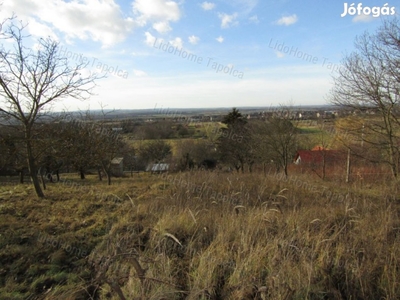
(190, 153)
(79, 137)
(275, 139)
(31, 81)
(369, 79)
(156, 151)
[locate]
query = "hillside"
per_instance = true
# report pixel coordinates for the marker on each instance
(200, 235)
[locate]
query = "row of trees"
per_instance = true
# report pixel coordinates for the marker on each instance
(160, 129)
(74, 145)
(273, 141)
(85, 144)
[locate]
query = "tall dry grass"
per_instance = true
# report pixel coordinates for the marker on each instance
(209, 235)
(228, 236)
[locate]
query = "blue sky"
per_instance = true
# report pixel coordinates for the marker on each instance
(223, 53)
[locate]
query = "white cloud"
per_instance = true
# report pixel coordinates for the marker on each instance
(280, 54)
(41, 30)
(194, 39)
(227, 20)
(162, 27)
(363, 18)
(220, 39)
(158, 12)
(82, 20)
(254, 19)
(288, 20)
(150, 39)
(208, 5)
(177, 43)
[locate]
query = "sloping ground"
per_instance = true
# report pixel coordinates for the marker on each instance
(200, 235)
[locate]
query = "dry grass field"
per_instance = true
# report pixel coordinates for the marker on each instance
(200, 235)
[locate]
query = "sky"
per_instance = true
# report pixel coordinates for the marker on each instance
(192, 54)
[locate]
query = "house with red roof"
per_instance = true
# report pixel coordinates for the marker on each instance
(320, 160)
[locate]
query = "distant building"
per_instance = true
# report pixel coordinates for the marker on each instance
(117, 166)
(157, 168)
(321, 161)
(329, 114)
(317, 155)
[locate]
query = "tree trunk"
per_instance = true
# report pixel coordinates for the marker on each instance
(99, 173)
(393, 163)
(286, 170)
(82, 173)
(32, 168)
(21, 176)
(250, 167)
(108, 174)
(43, 179)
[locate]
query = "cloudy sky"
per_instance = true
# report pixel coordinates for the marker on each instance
(189, 53)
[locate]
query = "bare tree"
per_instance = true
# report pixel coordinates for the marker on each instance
(31, 81)
(190, 153)
(79, 138)
(369, 79)
(155, 151)
(275, 139)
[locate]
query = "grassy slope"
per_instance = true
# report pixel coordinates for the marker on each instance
(200, 236)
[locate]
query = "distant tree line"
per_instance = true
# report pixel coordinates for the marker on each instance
(158, 129)
(79, 145)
